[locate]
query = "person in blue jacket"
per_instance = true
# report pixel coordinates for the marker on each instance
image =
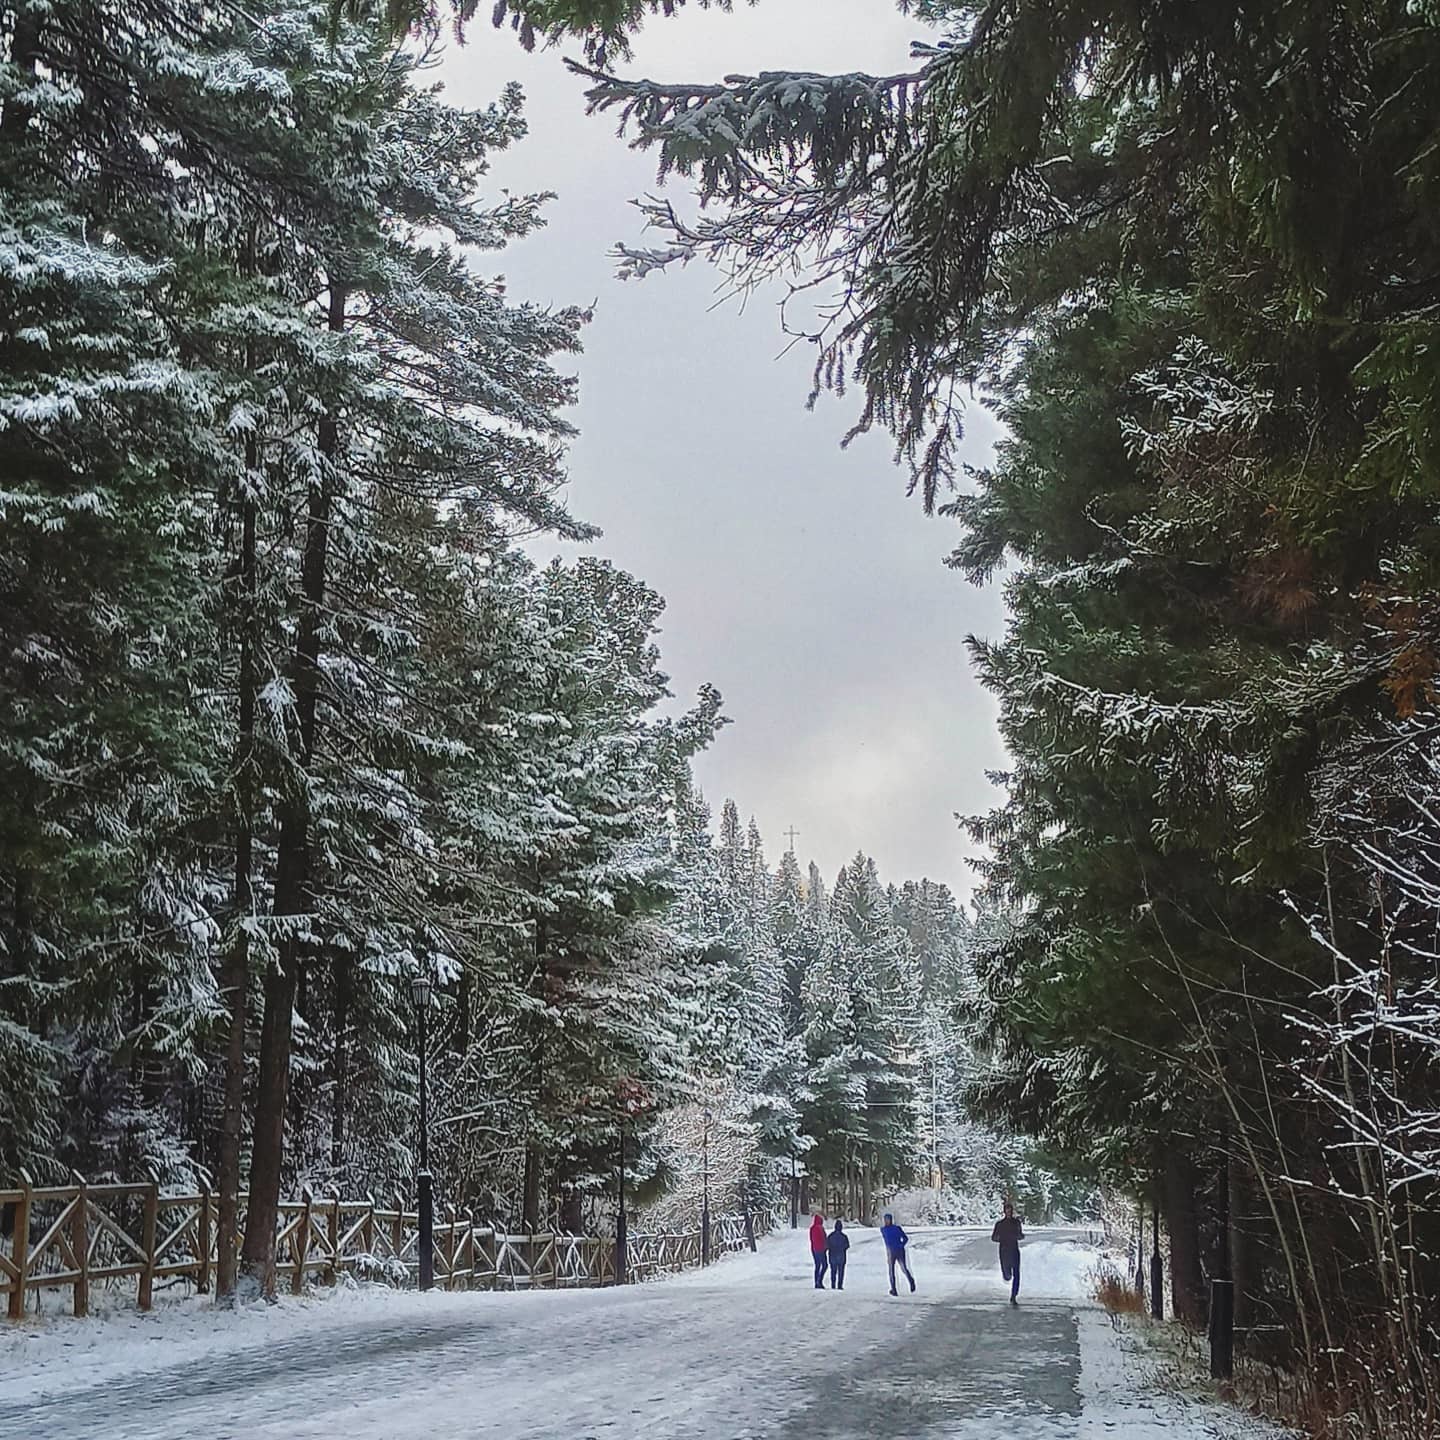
(895, 1242)
(837, 1243)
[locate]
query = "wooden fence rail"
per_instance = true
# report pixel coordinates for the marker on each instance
(77, 1236)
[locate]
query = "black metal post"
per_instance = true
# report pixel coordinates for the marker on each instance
(794, 1195)
(1222, 1329)
(1157, 1271)
(427, 1194)
(705, 1203)
(621, 1239)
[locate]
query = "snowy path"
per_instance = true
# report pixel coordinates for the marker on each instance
(745, 1351)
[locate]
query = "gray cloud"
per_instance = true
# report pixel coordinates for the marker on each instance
(800, 579)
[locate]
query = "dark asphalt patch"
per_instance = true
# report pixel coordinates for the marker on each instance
(955, 1362)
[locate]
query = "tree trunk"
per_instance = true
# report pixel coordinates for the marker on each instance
(534, 1161)
(1182, 1221)
(462, 1013)
(24, 52)
(298, 1096)
(292, 867)
(530, 1201)
(235, 974)
(572, 1219)
(22, 922)
(867, 1194)
(1245, 1244)
(343, 970)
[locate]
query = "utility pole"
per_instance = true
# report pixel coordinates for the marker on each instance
(792, 834)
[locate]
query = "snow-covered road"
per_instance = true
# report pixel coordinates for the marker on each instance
(745, 1351)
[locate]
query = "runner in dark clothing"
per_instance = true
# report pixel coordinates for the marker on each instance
(837, 1244)
(1007, 1235)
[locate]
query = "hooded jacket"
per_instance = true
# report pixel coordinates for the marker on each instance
(838, 1242)
(894, 1237)
(817, 1236)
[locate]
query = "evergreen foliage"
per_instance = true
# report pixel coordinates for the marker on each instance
(1185, 252)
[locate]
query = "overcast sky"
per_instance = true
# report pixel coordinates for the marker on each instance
(799, 578)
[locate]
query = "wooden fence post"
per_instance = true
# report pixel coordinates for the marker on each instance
(203, 1241)
(20, 1248)
(494, 1258)
(333, 1236)
(367, 1229)
(302, 1250)
(80, 1244)
(449, 1248)
(147, 1243)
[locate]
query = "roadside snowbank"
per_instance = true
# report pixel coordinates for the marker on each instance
(1125, 1397)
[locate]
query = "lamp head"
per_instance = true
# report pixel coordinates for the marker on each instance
(421, 989)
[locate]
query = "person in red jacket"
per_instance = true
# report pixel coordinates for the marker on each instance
(818, 1251)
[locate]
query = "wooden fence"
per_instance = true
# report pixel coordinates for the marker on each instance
(78, 1236)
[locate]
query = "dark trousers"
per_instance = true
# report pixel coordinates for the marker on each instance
(837, 1272)
(897, 1257)
(820, 1260)
(1010, 1269)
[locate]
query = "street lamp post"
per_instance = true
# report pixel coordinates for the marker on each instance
(705, 1202)
(794, 1195)
(631, 1099)
(420, 990)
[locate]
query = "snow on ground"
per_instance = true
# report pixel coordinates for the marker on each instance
(1124, 1400)
(744, 1351)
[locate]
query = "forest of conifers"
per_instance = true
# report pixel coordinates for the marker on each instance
(288, 715)
(285, 711)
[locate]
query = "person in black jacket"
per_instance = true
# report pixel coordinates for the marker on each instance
(1008, 1234)
(836, 1244)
